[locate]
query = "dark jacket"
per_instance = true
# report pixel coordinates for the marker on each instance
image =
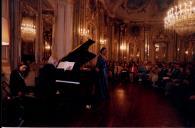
(17, 83)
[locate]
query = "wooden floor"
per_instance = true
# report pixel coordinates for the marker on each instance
(132, 105)
(129, 105)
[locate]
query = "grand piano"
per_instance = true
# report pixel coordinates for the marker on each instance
(74, 81)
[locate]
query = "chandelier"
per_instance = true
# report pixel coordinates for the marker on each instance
(28, 29)
(181, 18)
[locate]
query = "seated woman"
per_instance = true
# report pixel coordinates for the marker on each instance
(17, 83)
(154, 75)
(133, 72)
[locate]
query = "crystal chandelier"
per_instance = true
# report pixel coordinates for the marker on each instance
(28, 29)
(181, 18)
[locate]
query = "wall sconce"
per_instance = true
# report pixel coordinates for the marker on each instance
(47, 46)
(178, 49)
(146, 47)
(186, 52)
(103, 41)
(84, 32)
(123, 47)
(28, 29)
(137, 54)
(5, 32)
(157, 49)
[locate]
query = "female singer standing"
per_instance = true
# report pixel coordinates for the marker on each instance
(102, 74)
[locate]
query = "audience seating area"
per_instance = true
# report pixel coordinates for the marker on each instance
(175, 80)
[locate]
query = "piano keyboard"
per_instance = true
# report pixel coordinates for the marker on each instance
(68, 82)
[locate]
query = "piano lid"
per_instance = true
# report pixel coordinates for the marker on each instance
(80, 55)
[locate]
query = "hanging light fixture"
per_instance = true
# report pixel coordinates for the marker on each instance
(28, 29)
(5, 32)
(181, 18)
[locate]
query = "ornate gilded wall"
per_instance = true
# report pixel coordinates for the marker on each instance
(132, 39)
(127, 34)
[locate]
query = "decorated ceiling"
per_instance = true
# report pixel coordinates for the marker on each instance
(137, 10)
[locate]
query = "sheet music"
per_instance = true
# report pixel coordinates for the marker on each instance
(66, 65)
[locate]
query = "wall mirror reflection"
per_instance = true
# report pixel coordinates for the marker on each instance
(48, 19)
(28, 29)
(28, 34)
(161, 51)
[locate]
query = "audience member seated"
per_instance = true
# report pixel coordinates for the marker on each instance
(124, 74)
(154, 75)
(133, 72)
(175, 79)
(162, 75)
(143, 76)
(117, 70)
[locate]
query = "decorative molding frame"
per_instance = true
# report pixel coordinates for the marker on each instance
(136, 9)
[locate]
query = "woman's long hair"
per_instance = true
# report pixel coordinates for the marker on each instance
(102, 49)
